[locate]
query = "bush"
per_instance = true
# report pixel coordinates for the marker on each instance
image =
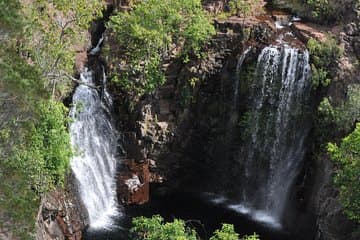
(35, 157)
(152, 32)
(322, 56)
(227, 232)
(242, 7)
(347, 176)
(319, 77)
(154, 228)
(321, 8)
(346, 114)
(44, 153)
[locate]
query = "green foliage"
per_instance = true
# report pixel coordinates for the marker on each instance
(227, 232)
(346, 114)
(319, 77)
(326, 110)
(154, 228)
(349, 112)
(242, 7)
(320, 8)
(38, 41)
(9, 16)
(51, 34)
(151, 33)
(42, 151)
(35, 157)
(254, 236)
(18, 203)
(322, 55)
(347, 175)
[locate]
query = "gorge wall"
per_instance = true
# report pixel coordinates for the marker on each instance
(184, 129)
(188, 133)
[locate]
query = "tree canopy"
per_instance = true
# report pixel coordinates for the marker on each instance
(151, 33)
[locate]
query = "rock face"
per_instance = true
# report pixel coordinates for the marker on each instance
(331, 222)
(134, 181)
(61, 215)
(340, 9)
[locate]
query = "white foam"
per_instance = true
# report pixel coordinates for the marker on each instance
(260, 216)
(279, 25)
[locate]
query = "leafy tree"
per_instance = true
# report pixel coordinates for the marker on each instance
(322, 55)
(227, 232)
(152, 33)
(154, 228)
(347, 176)
(243, 7)
(9, 15)
(35, 157)
(52, 32)
(37, 40)
(345, 114)
(320, 8)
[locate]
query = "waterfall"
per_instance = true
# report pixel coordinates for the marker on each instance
(278, 124)
(237, 75)
(94, 140)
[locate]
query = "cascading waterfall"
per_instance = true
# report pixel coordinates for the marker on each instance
(277, 124)
(94, 140)
(237, 75)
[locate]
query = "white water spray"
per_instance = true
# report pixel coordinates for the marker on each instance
(94, 140)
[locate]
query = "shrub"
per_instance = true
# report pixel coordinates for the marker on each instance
(35, 157)
(227, 232)
(321, 8)
(45, 151)
(346, 114)
(322, 56)
(242, 7)
(347, 176)
(151, 33)
(155, 228)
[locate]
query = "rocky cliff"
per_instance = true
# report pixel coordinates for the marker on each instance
(183, 127)
(180, 134)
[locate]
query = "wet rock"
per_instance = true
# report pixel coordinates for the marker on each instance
(133, 183)
(306, 31)
(62, 214)
(80, 62)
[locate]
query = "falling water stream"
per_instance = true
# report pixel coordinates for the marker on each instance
(274, 150)
(268, 159)
(94, 139)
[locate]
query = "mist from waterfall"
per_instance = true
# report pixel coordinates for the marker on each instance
(94, 140)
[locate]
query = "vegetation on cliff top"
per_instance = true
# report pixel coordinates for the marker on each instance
(322, 56)
(153, 32)
(37, 48)
(347, 159)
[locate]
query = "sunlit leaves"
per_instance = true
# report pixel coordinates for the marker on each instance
(347, 158)
(155, 229)
(227, 232)
(152, 32)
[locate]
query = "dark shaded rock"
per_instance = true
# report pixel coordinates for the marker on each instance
(352, 29)
(62, 214)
